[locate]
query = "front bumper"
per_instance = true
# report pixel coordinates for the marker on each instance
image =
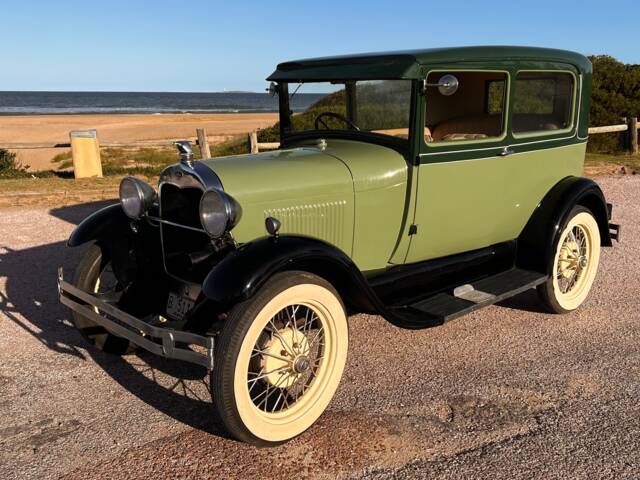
(165, 342)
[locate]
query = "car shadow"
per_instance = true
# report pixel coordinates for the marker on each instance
(527, 301)
(178, 389)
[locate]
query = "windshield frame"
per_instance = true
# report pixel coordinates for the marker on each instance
(288, 136)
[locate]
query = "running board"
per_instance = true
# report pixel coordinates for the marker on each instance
(445, 306)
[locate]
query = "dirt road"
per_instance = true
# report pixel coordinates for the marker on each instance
(507, 392)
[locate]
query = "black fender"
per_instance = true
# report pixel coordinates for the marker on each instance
(540, 236)
(133, 246)
(102, 224)
(242, 272)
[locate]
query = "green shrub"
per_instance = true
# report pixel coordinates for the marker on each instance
(615, 94)
(64, 160)
(10, 166)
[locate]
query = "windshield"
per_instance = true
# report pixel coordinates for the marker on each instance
(375, 106)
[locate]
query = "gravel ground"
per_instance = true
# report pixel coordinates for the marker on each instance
(507, 392)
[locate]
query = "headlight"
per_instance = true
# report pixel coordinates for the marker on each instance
(136, 197)
(219, 212)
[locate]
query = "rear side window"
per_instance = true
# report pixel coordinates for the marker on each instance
(542, 102)
(495, 96)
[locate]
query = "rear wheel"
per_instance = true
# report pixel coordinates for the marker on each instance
(94, 275)
(575, 263)
(279, 359)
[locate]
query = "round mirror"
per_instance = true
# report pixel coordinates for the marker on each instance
(448, 85)
(273, 89)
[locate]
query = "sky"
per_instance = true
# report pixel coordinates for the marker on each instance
(207, 46)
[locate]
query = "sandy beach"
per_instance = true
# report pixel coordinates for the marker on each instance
(120, 128)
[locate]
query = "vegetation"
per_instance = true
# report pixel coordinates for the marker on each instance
(615, 94)
(119, 161)
(10, 166)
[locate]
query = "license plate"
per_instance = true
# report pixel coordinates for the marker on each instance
(178, 306)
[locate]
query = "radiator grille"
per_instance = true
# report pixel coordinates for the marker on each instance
(181, 206)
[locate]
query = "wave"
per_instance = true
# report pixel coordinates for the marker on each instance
(57, 103)
(106, 110)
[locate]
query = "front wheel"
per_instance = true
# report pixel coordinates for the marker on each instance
(94, 274)
(279, 359)
(574, 265)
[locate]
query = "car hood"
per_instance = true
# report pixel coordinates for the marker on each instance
(313, 189)
(281, 175)
(308, 170)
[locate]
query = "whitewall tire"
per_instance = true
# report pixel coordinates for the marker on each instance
(279, 359)
(575, 263)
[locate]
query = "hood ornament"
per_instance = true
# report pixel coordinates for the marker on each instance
(185, 151)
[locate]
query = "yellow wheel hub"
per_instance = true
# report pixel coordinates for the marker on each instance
(568, 258)
(286, 356)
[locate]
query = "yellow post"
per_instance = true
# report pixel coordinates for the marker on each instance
(86, 153)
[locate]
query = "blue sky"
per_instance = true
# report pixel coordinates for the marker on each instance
(234, 44)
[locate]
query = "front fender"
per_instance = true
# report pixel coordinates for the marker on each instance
(241, 273)
(538, 240)
(99, 225)
(134, 252)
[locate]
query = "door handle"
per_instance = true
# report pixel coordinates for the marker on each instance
(506, 151)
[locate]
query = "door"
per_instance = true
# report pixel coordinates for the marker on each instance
(477, 183)
(462, 179)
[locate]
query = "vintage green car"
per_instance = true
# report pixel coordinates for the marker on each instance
(421, 186)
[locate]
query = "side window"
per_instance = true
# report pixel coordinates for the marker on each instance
(474, 112)
(542, 102)
(495, 96)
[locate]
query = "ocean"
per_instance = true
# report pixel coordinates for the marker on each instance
(47, 103)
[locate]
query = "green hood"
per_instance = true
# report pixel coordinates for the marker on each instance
(315, 191)
(309, 191)
(281, 175)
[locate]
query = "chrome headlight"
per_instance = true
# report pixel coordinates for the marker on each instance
(219, 212)
(136, 197)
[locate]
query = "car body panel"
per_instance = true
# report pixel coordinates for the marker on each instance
(406, 63)
(380, 186)
(469, 204)
(309, 191)
(344, 193)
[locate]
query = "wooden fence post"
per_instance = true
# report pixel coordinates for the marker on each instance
(203, 143)
(633, 135)
(253, 142)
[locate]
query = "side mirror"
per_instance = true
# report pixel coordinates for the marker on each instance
(273, 89)
(447, 85)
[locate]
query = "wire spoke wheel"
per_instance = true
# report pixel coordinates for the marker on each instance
(575, 263)
(286, 358)
(573, 259)
(281, 357)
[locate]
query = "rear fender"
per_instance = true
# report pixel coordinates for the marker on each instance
(540, 236)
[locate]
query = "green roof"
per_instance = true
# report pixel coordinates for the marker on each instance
(408, 64)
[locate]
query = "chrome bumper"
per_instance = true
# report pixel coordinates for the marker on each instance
(165, 342)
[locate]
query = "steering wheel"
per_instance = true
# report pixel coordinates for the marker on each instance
(318, 121)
